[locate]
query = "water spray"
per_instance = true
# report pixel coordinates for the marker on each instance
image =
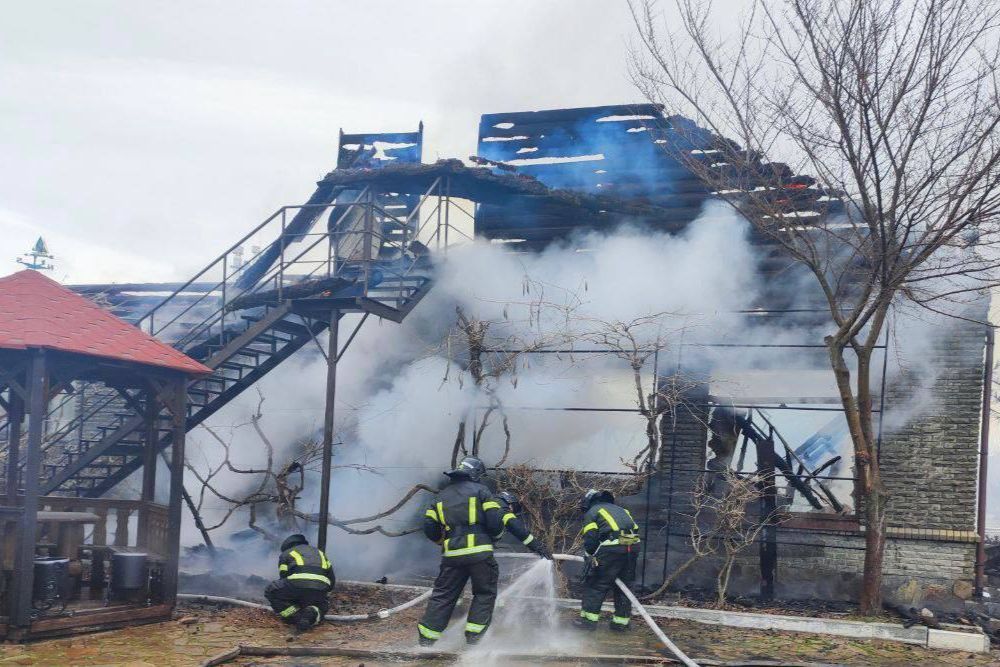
(657, 630)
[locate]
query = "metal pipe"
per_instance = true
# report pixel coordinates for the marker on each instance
(354, 333)
(984, 462)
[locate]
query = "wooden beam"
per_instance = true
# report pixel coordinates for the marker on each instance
(150, 446)
(422, 656)
(14, 418)
(98, 619)
(20, 611)
(10, 378)
(178, 419)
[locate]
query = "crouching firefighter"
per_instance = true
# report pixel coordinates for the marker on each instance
(510, 507)
(465, 520)
(300, 595)
(611, 543)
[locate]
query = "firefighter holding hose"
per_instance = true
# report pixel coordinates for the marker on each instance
(465, 519)
(611, 544)
(513, 524)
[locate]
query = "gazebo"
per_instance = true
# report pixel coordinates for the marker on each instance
(70, 563)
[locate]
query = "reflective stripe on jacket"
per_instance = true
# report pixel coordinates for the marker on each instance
(307, 567)
(464, 519)
(514, 524)
(609, 527)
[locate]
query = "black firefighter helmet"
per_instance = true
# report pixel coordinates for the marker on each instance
(470, 467)
(295, 540)
(595, 496)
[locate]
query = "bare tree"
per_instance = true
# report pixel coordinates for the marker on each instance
(893, 108)
(639, 343)
(275, 485)
(491, 350)
(551, 499)
(723, 524)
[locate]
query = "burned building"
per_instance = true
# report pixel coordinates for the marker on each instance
(931, 456)
(365, 243)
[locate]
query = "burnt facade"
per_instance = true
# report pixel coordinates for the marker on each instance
(930, 417)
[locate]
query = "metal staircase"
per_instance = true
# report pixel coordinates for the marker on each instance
(243, 331)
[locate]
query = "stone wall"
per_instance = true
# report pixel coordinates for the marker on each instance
(829, 567)
(683, 435)
(929, 455)
(930, 462)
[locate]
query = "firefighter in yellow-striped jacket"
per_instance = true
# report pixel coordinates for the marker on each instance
(611, 545)
(465, 520)
(301, 594)
(513, 524)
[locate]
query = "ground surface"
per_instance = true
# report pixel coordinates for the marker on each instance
(216, 630)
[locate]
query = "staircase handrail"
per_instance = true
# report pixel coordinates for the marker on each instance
(272, 272)
(275, 273)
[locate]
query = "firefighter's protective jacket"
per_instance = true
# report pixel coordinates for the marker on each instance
(305, 566)
(464, 519)
(513, 524)
(610, 528)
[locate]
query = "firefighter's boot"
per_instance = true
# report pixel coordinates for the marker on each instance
(307, 618)
(618, 626)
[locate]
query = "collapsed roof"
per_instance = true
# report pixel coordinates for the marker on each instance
(545, 174)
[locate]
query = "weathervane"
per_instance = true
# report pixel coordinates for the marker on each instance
(37, 257)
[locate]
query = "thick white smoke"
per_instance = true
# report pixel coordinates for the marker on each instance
(397, 416)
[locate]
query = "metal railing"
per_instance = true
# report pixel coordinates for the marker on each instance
(356, 254)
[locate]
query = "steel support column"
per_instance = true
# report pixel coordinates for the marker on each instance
(331, 394)
(178, 417)
(20, 611)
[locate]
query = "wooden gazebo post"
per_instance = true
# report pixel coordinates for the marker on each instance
(177, 406)
(24, 561)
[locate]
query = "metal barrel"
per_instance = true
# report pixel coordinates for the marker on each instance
(128, 571)
(51, 578)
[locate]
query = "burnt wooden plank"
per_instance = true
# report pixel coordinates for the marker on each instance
(99, 619)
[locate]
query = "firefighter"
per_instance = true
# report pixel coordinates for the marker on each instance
(611, 543)
(464, 519)
(300, 595)
(510, 507)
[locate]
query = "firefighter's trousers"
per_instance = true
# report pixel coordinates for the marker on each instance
(448, 588)
(287, 599)
(611, 565)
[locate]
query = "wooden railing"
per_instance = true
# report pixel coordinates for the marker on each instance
(119, 523)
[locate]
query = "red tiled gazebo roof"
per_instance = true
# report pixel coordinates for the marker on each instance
(38, 312)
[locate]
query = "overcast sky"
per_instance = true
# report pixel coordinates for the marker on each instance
(142, 138)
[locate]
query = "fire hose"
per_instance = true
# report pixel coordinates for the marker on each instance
(657, 630)
(386, 613)
(337, 618)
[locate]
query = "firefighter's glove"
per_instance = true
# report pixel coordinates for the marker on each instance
(539, 548)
